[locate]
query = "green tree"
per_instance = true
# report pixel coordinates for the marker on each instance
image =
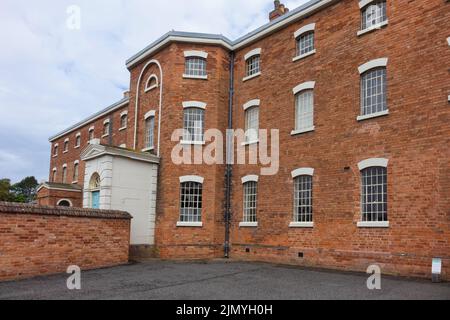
(5, 190)
(25, 190)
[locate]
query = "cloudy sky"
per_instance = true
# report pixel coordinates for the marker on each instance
(52, 77)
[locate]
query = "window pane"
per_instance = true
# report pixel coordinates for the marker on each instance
(304, 110)
(193, 124)
(303, 199)
(374, 194)
(191, 202)
(195, 67)
(374, 14)
(252, 124)
(252, 65)
(373, 91)
(250, 201)
(305, 43)
(149, 132)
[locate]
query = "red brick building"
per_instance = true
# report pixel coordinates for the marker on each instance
(358, 94)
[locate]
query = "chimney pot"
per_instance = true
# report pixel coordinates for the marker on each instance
(280, 9)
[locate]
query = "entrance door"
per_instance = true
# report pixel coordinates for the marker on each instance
(95, 199)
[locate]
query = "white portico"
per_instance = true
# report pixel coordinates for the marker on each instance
(120, 179)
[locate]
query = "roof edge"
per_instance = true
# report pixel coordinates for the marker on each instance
(94, 117)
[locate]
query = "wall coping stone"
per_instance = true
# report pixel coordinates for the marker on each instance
(18, 208)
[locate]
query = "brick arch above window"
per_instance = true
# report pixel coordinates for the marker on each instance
(251, 104)
(302, 172)
(376, 63)
(309, 85)
(252, 53)
(195, 54)
(373, 162)
(308, 28)
(196, 179)
(194, 104)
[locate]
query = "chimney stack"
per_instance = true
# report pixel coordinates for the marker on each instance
(280, 9)
(126, 94)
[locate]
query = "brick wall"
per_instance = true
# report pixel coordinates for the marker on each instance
(414, 137)
(37, 240)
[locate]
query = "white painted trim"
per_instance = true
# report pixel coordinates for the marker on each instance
(148, 149)
(56, 145)
(151, 113)
(186, 76)
(251, 103)
(192, 143)
(376, 63)
(306, 130)
(125, 113)
(197, 179)
(373, 115)
(236, 45)
(194, 104)
(189, 224)
(302, 172)
(248, 224)
(380, 224)
(448, 41)
(61, 200)
(374, 162)
(303, 56)
(64, 166)
(364, 3)
(54, 170)
(196, 53)
(248, 143)
(306, 225)
(251, 76)
(136, 106)
(304, 86)
(308, 28)
(78, 135)
(76, 162)
(373, 28)
(91, 129)
(66, 140)
(106, 121)
(149, 88)
(252, 53)
(250, 178)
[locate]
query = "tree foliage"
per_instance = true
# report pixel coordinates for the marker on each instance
(22, 192)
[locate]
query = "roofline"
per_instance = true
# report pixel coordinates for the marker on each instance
(276, 24)
(94, 117)
(47, 186)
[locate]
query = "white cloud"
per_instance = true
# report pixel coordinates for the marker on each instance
(52, 77)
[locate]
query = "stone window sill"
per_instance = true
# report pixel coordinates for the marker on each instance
(303, 56)
(252, 76)
(301, 225)
(373, 115)
(189, 224)
(373, 28)
(384, 224)
(248, 224)
(186, 76)
(297, 132)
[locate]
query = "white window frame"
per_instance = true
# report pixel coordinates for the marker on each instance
(300, 32)
(91, 129)
(77, 145)
(66, 143)
(76, 163)
(54, 175)
(362, 5)
(255, 103)
(187, 179)
(148, 115)
(67, 200)
(368, 66)
(106, 122)
(245, 180)
(251, 54)
(295, 174)
(366, 164)
(309, 85)
(55, 147)
(64, 174)
(123, 114)
(194, 105)
(149, 87)
(196, 54)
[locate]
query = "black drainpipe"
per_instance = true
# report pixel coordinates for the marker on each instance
(229, 166)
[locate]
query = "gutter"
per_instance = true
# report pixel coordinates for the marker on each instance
(229, 166)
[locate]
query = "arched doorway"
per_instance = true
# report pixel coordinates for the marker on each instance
(94, 191)
(64, 203)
